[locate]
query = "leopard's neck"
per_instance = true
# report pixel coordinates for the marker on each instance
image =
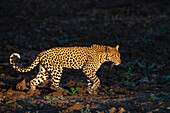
(101, 52)
(103, 55)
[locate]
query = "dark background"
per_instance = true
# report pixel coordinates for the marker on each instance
(140, 27)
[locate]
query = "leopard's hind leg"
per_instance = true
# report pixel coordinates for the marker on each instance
(56, 77)
(40, 78)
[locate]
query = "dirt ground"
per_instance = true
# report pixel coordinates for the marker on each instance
(141, 28)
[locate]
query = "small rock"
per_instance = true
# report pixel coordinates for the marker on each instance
(76, 106)
(21, 85)
(19, 106)
(1, 83)
(41, 105)
(36, 92)
(112, 110)
(121, 110)
(135, 102)
(112, 93)
(145, 80)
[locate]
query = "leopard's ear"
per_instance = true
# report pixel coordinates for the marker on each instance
(117, 47)
(109, 49)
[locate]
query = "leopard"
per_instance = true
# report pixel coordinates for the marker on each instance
(52, 62)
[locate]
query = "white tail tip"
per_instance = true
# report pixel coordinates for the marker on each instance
(16, 54)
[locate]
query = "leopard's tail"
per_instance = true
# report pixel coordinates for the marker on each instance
(34, 64)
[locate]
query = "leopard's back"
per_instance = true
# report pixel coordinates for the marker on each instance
(69, 57)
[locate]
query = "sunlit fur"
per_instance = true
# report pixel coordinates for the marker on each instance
(54, 60)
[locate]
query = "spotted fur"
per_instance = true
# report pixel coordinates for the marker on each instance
(54, 60)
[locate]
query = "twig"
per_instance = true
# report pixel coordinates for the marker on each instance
(4, 64)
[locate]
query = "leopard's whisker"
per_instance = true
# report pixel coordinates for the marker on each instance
(111, 66)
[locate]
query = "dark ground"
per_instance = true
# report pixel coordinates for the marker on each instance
(140, 27)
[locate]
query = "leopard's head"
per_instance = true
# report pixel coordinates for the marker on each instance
(113, 55)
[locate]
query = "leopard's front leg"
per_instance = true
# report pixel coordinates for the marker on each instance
(90, 70)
